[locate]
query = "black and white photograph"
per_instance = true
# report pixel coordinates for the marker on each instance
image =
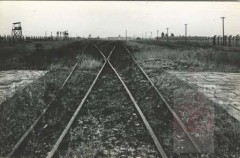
(120, 79)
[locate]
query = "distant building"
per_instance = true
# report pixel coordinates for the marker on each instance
(113, 38)
(116, 38)
(120, 38)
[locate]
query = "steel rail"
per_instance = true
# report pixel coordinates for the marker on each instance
(147, 125)
(25, 135)
(166, 103)
(97, 47)
(102, 52)
(104, 57)
(65, 131)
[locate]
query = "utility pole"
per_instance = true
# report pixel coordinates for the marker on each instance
(167, 34)
(185, 32)
(223, 28)
(157, 34)
(151, 35)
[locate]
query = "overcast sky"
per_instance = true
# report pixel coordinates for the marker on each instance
(113, 18)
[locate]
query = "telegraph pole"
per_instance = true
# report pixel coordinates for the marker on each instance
(151, 35)
(157, 34)
(167, 34)
(185, 32)
(223, 28)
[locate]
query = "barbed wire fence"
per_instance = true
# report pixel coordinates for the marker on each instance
(215, 40)
(29, 39)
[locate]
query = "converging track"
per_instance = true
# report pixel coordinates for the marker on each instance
(51, 131)
(155, 107)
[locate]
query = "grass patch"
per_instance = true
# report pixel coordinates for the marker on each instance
(89, 63)
(191, 59)
(24, 56)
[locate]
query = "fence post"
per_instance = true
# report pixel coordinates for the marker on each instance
(229, 40)
(214, 40)
(225, 40)
(237, 38)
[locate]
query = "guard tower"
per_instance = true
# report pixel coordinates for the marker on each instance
(17, 30)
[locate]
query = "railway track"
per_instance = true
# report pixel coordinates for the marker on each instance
(41, 135)
(148, 96)
(160, 105)
(54, 149)
(150, 106)
(140, 113)
(109, 70)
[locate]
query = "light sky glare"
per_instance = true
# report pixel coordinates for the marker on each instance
(106, 18)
